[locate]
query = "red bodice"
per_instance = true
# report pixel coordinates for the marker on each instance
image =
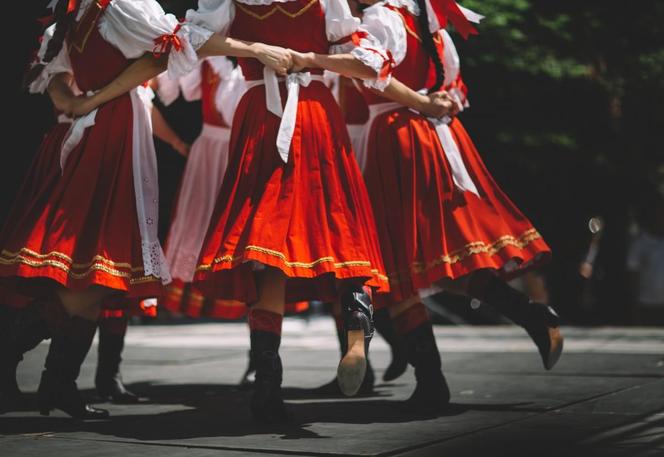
(210, 81)
(298, 25)
(416, 70)
(353, 106)
(95, 61)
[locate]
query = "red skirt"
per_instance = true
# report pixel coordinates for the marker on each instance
(428, 233)
(311, 217)
(79, 227)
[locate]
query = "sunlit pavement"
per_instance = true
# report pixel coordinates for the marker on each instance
(604, 398)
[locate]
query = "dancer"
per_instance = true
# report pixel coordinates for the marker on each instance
(89, 231)
(442, 219)
(219, 84)
(293, 204)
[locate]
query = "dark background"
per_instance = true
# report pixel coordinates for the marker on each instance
(567, 109)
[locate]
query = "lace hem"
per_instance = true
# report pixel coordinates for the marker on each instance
(154, 261)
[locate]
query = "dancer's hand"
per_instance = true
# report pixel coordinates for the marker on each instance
(445, 98)
(437, 106)
(80, 106)
(275, 57)
(302, 60)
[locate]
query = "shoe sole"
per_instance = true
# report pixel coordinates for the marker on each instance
(556, 350)
(353, 366)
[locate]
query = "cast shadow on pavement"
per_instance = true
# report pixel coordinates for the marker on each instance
(188, 411)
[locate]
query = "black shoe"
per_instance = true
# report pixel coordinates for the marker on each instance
(60, 393)
(249, 376)
(543, 326)
(57, 390)
(267, 405)
(357, 313)
(540, 321)
(21, 331)
(431, 395)
(108, 379)
(385, 328)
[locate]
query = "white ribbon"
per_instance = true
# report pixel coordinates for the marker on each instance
(460, 174)
(74, 135)
(288, 114)
(144, 168)
(471, 15)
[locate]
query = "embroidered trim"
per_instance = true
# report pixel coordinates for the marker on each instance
(63, 262)
(81, 46)
(279, 8)
(350, 263)
(474, 248)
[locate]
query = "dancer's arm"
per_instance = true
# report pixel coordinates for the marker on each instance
(434, 105)
(147, 67)
(344, 64)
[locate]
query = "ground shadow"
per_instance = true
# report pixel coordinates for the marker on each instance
(186, 411)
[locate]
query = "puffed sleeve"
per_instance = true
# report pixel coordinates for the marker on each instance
(139, 26)
(214, 15)
(383, 30)
(60, 64)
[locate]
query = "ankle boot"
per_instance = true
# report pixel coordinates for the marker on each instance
(22, 330)
(540, 321)
(108, 379)
(331, 389)
(357, 313)
(431, 392)
(248, 378)
(267, 404)
(386, 329)
(57, 390)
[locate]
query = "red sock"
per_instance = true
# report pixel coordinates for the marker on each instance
(410, 319)
(265, 321)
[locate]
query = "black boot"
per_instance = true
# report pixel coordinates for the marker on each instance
(540, 321)
(248, 378)
(70, 344)
(108, 379)
(267, 404)
(357, 313)
(431, 392)
(385, 328)
(331, 389)
(21, 331)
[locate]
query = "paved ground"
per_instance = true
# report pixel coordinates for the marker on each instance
(605, 398)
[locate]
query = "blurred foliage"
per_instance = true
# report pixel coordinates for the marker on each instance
(567, 108)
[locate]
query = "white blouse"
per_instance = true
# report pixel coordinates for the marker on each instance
(132, 27)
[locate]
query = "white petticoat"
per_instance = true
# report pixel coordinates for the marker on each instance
(203, 175)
